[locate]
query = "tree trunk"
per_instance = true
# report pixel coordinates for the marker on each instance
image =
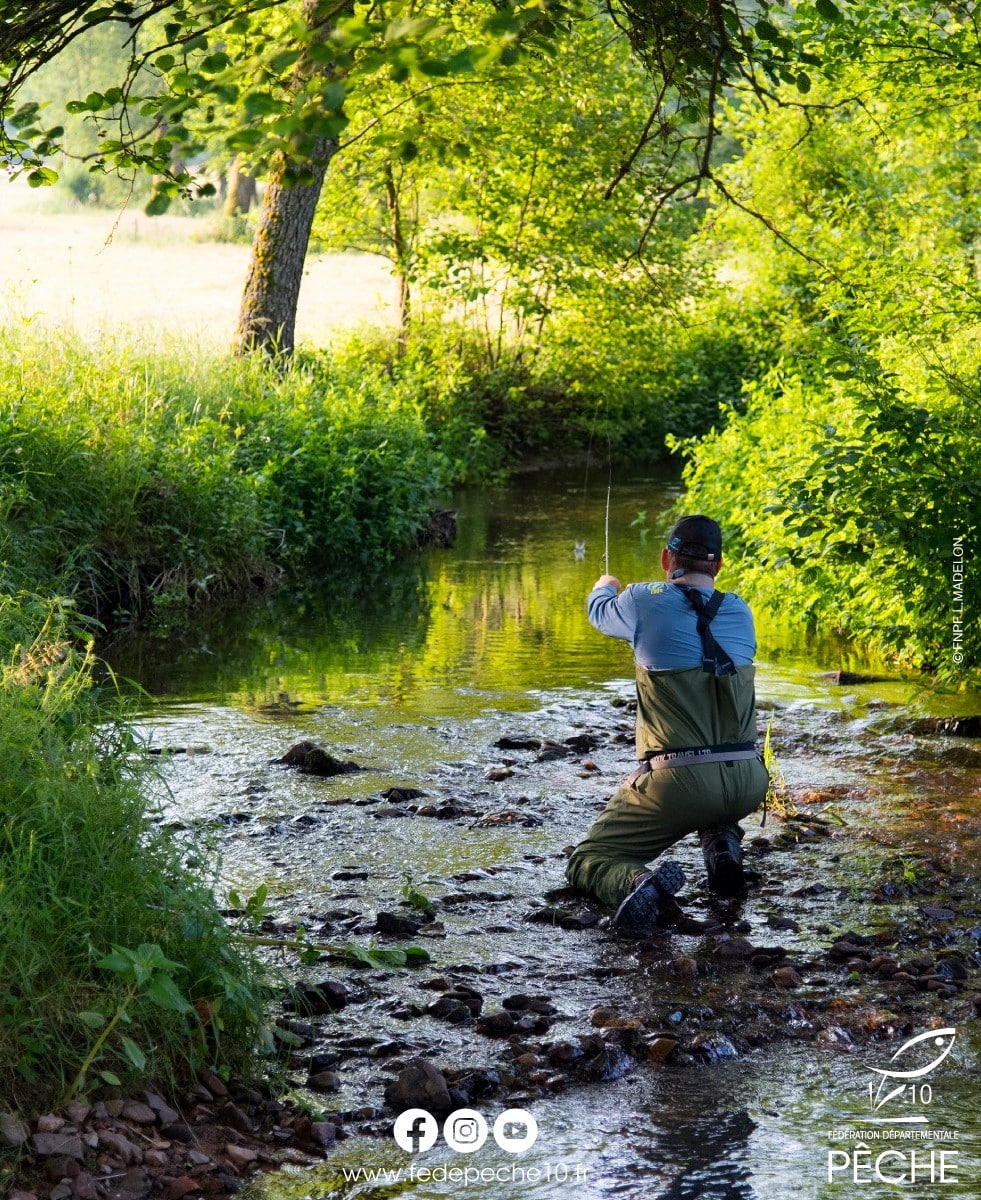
(267, 316)
(241, 193)
(400, 256)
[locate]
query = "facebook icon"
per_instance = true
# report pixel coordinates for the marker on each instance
(416, 1130)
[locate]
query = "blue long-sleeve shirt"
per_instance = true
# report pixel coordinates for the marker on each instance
(659, 622)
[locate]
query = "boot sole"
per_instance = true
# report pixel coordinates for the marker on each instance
(669, 877)
(638, 914)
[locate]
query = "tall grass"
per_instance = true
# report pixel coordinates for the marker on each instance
(82, 871)
(132, 477)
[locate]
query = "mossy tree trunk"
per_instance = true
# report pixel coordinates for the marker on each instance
(267, 316)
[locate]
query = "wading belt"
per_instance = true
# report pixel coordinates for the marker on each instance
(730, 752)
(715, 660)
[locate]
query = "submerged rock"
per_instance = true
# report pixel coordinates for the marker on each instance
(402, 795)
(496, 1024)
(659, 1048)
(441, 529)
(13, 1131)
(316, 999)
(397, 926)
(518, 743)
(737, 948)
(564, 918)
(324, 1081)
(967, 727)
(602, 1061)
(713, 1048)
(850, 678)
(312, 759)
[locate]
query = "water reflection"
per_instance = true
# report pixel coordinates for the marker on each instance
(707, 1155)
(499, 616)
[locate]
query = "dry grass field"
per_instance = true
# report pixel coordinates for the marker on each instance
(93, 271)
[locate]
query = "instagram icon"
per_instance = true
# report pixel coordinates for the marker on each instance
(465, 1130)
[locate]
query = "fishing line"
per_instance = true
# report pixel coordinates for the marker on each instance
(606, 552)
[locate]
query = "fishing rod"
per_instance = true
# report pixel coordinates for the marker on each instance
(606, 551)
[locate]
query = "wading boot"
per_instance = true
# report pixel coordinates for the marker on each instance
(723, 856)
(638, 914)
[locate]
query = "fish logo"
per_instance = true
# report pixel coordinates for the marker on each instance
(932, 1040)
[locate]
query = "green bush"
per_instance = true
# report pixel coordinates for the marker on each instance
(130, 477)
(347, 469)
(843, 497)
(637, 375)
(83, 870)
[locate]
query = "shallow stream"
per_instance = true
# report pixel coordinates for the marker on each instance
(416, 677)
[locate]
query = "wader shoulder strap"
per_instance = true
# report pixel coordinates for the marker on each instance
(715, 660)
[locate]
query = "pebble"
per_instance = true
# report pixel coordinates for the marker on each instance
(139, 1114)
(46, 1144)
(119, 1145)
(13, 1131)
(232, 1115)
(84, 1187)
(214, 1084)
(240, 1156)
(178, 1188)
(786, 977)
(177, 1131)
(324, 1081)
(132, 1186)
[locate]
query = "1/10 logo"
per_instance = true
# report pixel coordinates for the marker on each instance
(465, 1130)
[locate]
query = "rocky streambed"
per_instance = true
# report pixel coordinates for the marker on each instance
(431, 955)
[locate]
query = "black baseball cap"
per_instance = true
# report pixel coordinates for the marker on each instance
(696, 537)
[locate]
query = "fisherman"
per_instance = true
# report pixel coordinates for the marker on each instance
(695, 733)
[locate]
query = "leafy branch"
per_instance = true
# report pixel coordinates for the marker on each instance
(147, 973)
